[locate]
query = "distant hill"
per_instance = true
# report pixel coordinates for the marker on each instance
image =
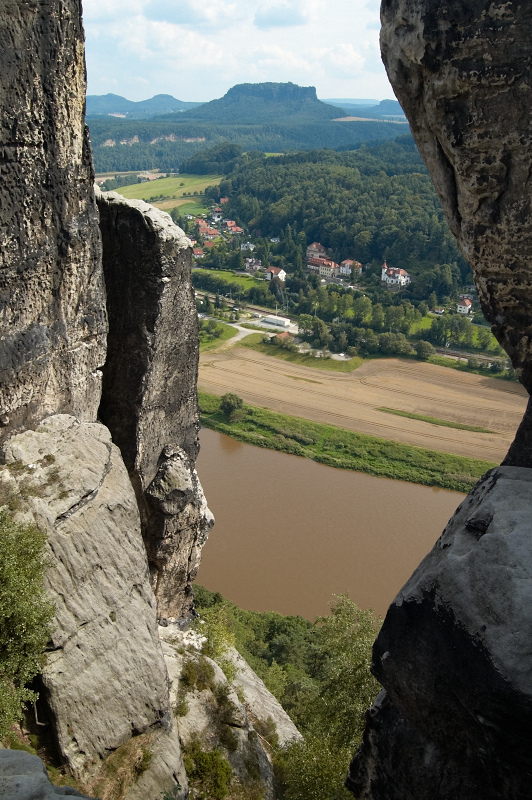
(113, 105)
(350, 102)
(383, 110)
(260, 103)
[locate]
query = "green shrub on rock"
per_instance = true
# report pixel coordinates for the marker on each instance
(25, 615)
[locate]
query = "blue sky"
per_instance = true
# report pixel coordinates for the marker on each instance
(197, 50)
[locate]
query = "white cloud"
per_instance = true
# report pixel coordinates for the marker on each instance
(280, 15)
(198, 51)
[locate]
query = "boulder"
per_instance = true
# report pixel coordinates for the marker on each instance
(24, 777)
(104, 678)
(454, 657)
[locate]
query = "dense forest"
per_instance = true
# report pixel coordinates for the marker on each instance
(165, 143)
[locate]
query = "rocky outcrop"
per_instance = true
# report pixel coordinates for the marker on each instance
(24, 777)
(211, 715)
(52, 299)
(454, 652)
(149, 397)
(463, 75)
(104, 678)
(454, 657)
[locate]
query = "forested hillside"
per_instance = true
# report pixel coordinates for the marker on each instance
(370, 204)
(124, 145)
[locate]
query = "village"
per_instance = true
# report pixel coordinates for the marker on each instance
(318, 260)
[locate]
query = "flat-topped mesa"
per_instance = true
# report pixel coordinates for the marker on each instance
(52, 299)
(149, 397)
(463, 75)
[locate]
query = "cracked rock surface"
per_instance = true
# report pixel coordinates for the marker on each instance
(52, 299)
(105, 677)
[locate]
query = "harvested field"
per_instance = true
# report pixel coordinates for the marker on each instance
(353, 400)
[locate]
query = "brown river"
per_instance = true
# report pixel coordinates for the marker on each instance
(291, 533)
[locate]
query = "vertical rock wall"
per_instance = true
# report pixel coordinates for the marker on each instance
(52, 300)
(149, 397)
(463, 74)
(453, 655)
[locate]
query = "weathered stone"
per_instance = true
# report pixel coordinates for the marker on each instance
(24, 777)
(149, 389)
(463, 74)
(104, 677)
(454, 657)
(52, 299)
(214, 714)
(260, 703)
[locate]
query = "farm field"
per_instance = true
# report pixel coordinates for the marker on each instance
(354, 401)
(172, 190)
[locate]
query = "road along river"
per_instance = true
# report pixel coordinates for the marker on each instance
(290, 533)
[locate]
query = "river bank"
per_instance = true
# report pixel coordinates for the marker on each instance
(290, 533)
(340, 448)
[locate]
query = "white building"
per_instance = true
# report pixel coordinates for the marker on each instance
(275, 272)
(348, 267)
(247, 246)
(281, 322)
(464, 305)
(394, 277)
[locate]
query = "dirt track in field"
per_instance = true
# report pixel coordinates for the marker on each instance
(352, 400)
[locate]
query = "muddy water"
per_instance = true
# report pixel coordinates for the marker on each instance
(290, 533)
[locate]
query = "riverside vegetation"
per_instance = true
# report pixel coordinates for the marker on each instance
(319, 672)
(337, 447)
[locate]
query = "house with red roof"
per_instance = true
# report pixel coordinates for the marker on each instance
(316, 250)
(198, 252)
(323, 266)
(394, 278)
(464, 305)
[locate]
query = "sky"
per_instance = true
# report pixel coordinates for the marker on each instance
(196, 50)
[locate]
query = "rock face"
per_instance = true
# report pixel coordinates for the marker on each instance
(24, 777)
(52, 300)
(454, 651)
(210, 714)
(454, 657)
(149, 397)
(462, 72)
(105, 677)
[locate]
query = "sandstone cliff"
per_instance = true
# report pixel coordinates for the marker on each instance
(454, 651)
(104, 690)
(52, 299)
(149, 399)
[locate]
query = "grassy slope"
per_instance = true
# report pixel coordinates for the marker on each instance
(445, 423)
(228, 277)
(345, 449)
